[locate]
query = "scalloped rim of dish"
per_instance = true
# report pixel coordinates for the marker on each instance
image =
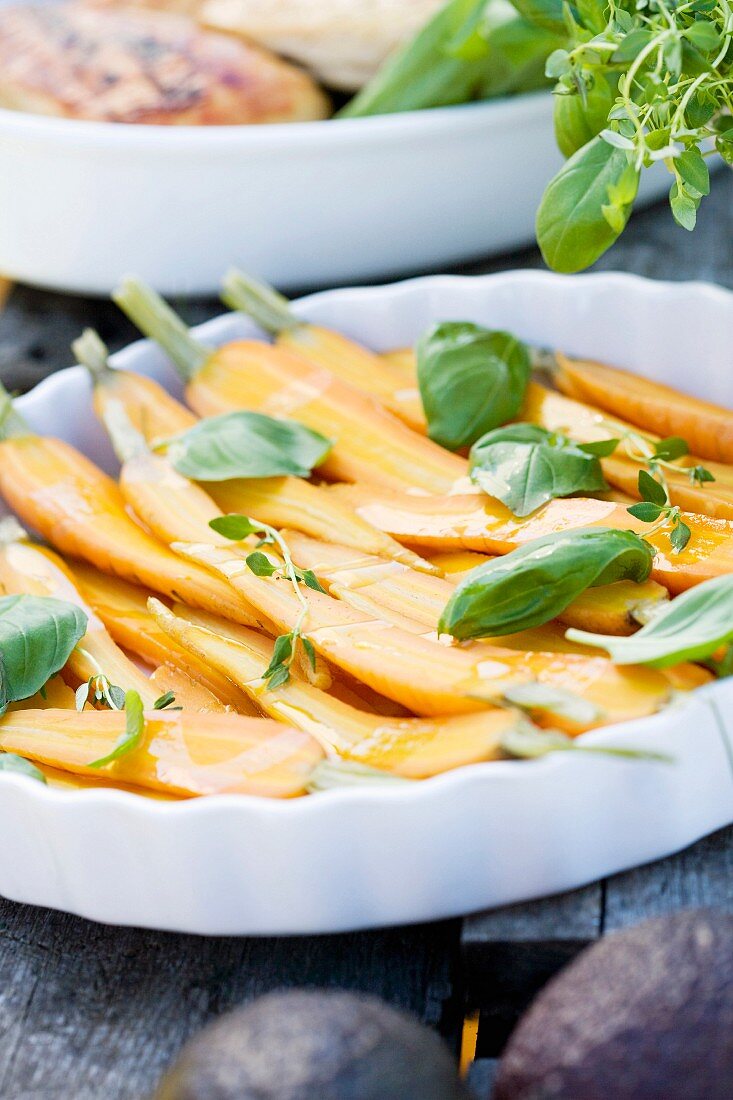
(481, 773)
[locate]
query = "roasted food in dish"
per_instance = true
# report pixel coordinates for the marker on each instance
(142, 66)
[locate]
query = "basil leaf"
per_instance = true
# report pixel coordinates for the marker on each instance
(134, 729)
(586, 206)
(37, 635)
(247, 444)
(602, 448)
(690, 627)
(10, 762)
(234, 526)
(535, 583)
(471, 380)
(524, 469)
(578, 120)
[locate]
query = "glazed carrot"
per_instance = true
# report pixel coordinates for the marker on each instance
(477, 522)
(586, 424)
(188, 693)
(323, 347)
(618, 608)
(182, 752)
(414, 604)
(123, 608)
(247, 374)
(707, 428)
(31, 570)
(56, 693)
(60, 493)
(415, 748)
(426, 677)
(397, 589)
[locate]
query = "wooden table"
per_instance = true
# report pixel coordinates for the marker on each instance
(91, 1012)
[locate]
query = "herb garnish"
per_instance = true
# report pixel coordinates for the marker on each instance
(689, 628)
(37, 635)
(134, 729)
(164, 701)
(524, 466)
(238, 527)
(656, 509)
(471, 379)
(246, 444)
(536, 582)
(644, 81)
(103, 692)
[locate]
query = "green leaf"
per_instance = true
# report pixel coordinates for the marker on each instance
(542, 698)
(680, 536)
(311, 581)
(693, 170)
(572, 230)
(547, 14)
(645, 511)
(471, 380)
(249, 445)
(310, 652)
(671, 448)
(703, 35)
(651, 490)
(688, 628)
(698, 475)
(524, 466)
(10, 762)
(428, 71)
(234, 526)
(164, 701)
(578, 118)
(632, 44)
(260, 564)
(601, 449)
(134, 729)
(535, 583)
(557, 64)
(37, 635)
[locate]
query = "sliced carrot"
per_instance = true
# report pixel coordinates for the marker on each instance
(706, 427)
(182, 752)
(477, 522)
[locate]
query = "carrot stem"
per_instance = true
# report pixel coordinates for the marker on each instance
(269, 309)
(156, 319)
(90, 351)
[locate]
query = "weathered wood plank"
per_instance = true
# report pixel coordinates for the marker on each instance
(509, 954)
(88, 1010)
(700, 875)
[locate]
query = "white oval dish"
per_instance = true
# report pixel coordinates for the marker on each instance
(313, 203)
(481, 836)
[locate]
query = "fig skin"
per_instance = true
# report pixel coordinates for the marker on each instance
(644, 1014)
(313, 1045)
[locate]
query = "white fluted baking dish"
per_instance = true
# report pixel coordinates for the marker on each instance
(479, 836)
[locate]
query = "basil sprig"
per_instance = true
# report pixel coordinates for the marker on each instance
(524, 466)
(37, 635)
(689, 628)
(535, 583)
(471, 379)
(134, 730)
(246, 444)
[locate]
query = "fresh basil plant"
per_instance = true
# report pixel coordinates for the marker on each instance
(471, 379)
(249, 445)
(37, 635)
(535, 583)
(524, 466)
(689, 628)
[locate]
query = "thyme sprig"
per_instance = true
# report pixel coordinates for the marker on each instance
(238, 527)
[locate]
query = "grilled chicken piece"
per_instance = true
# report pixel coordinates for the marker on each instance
(131, 65)
(342, 42)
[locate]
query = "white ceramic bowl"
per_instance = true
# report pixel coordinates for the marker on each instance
(480, 836)
(307, 204)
